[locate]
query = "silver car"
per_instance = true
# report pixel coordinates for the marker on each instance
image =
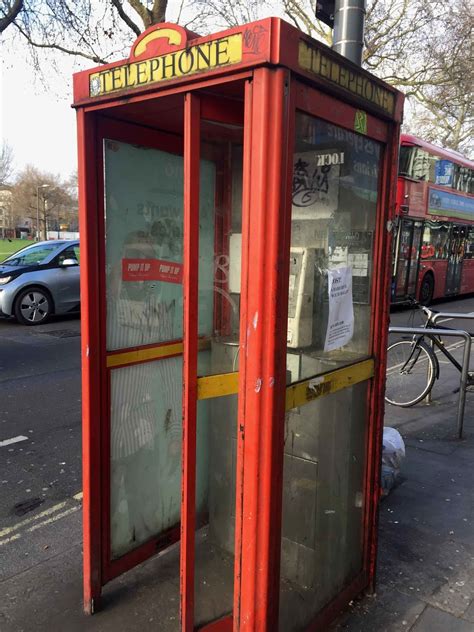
(40, 280)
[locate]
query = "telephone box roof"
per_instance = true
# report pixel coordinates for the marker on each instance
(167, 55)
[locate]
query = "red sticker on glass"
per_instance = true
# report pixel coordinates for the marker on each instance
(152, 270)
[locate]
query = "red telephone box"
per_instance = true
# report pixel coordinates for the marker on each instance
(236, 192)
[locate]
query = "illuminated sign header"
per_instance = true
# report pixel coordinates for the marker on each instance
(316, 62)
(171, 65)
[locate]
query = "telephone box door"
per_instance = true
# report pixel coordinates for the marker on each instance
(170, 309)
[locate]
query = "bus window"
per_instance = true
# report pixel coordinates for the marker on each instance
(469, 254)
(414, 163)
(463, 179)
(435, 240)
(404, 160)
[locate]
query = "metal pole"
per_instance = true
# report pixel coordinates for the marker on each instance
(458, 333)
(348, 38)
(37, 213)
(464, 381)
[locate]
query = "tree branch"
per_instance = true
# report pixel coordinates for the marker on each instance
(142, 11)
(62, 49)
(10, 17)
(128, 21)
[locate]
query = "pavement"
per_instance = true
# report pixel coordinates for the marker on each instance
(425, 577)
(425, 570)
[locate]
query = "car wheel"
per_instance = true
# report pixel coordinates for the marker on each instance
(33, 306)
(427, 289)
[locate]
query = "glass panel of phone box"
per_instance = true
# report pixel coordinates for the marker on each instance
(335, 187)
(219, 317)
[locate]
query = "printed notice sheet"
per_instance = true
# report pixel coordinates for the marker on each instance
(341, 313)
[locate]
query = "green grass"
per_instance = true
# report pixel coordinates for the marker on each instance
(9, 247)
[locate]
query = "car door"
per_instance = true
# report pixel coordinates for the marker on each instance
(65, 281)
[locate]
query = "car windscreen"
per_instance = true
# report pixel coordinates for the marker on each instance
(32, 255)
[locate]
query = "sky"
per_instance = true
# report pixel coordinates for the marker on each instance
(36, 119)
(38, 122)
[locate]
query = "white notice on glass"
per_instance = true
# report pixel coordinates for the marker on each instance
(341, 313)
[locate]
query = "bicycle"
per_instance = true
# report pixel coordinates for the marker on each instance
(413, 366)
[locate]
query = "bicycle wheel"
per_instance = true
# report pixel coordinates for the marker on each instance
(410, 373)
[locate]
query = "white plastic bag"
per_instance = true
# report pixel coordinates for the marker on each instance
(393, 448)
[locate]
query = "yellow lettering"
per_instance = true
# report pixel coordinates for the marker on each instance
(343, 78)
(203, 57)
(221, 50)
(116, 79)
(154, 67)
(311, 59)
(335, 73)
(142, 75)
(324, 66)
(168, 66)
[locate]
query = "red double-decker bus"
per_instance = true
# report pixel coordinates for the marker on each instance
(433, 253)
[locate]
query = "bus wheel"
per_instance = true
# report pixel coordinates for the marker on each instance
(427, 289)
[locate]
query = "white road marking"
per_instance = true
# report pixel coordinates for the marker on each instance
(13, 440)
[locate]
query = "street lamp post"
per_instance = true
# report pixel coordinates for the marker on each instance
(40, 186)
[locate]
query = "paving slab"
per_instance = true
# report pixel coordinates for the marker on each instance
(434, 620)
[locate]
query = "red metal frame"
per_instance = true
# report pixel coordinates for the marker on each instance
(192, 143)
(272, 96)
(379, 329)
(90, 349)
(263, 324)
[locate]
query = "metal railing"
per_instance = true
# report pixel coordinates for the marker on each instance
(450, 316)
(464, 380)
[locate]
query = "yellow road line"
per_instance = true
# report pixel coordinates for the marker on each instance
(43, 514)
(23, 523)
(53, 518)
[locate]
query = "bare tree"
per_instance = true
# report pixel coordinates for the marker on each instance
(40, 194)
(6, 163)
(445, 114)
(416, 45)
(9, 12)
(95, 31)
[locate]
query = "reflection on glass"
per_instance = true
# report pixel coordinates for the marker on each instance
(217, 417)
(145, 452)
(144, 244)
(214, 561)
(146, 430)
(323, 492)
(144, 269)
(335, 185)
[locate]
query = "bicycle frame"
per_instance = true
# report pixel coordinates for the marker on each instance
(417, 340)
(441, 347)
(422, 331)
